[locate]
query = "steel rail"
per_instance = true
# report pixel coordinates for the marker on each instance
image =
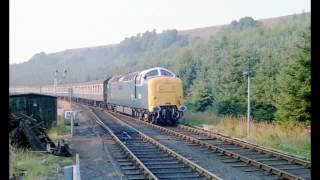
(129, 153)
(231, 154)
(246, 144)
(170, 152)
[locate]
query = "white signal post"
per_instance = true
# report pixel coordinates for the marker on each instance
(71, 133)
(247, 74)
(70, 115)
(70, 101)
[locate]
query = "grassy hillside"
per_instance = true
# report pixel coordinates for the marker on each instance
(91, 63)
(98, 62)
(206, 32)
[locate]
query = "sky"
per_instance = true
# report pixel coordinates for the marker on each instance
(56, 25)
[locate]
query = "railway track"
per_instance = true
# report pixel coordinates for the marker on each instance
(142, 157)
(238, 152)
(216, 135)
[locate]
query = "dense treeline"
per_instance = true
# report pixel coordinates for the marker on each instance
(151, 41)
(278, 57)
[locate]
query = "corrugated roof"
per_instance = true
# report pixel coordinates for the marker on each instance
(27, 94)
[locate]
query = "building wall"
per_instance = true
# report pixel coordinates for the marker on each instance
(41, 108)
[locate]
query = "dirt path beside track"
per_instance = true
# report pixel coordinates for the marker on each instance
(89, 142)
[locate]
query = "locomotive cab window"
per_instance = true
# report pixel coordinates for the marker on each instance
(151, 74)
(165, 73)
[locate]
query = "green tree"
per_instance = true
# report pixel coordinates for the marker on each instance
(243, 23)
(294, 102)
(200, 95)
(187, 68)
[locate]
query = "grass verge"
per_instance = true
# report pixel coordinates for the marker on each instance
(197, 119)
(60, 130)
(294, 139)
(36, 165)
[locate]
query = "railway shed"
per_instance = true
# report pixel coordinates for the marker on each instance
(41, 107)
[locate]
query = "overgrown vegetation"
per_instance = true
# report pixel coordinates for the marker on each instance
(285, 137)
(294, 100)
(289, 138)
(58, 131)
(278, 59)
(34, 165)
(197, 118)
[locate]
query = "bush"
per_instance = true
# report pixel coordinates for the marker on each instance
(263, 111)
(60, 130)
(229, 107)
(200, 95)
(259, 111)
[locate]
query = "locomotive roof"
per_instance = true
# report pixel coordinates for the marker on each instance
(100, 81)
(125, 77)
(130, 76)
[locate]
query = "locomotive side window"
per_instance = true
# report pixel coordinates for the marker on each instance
(165, 73)
(151, 74)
